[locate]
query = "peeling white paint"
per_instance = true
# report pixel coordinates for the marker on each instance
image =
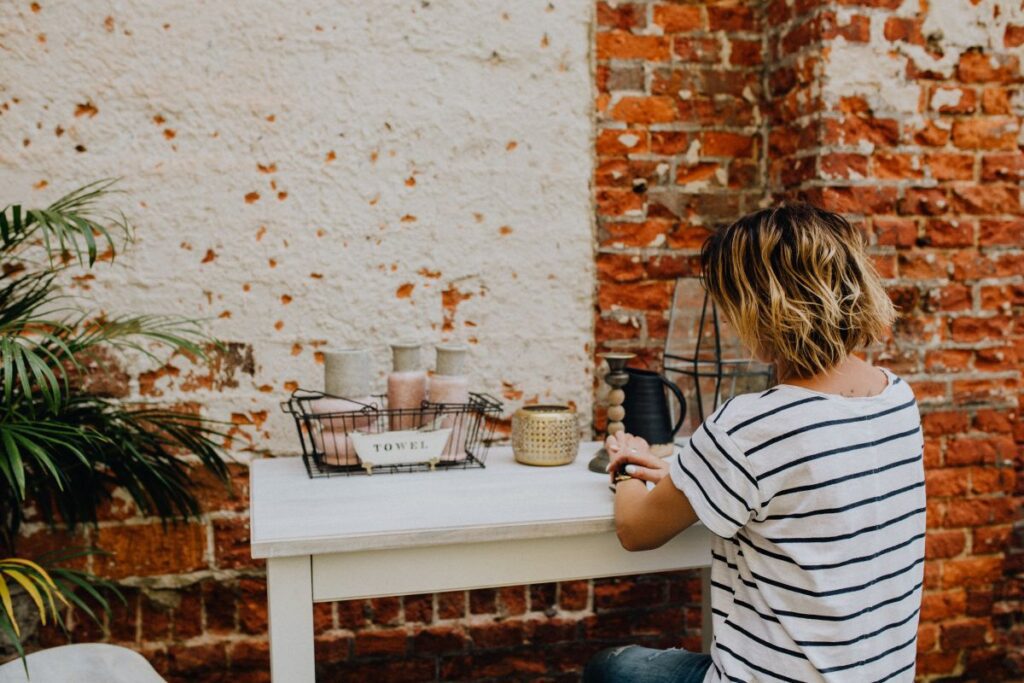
(692, 156)
(877, 70)
(946, 97)
(629, 140)
(409, 137)
(861, 69)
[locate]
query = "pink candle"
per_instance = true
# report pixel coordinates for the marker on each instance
(451, 385)
(407, 384)
(330, 430)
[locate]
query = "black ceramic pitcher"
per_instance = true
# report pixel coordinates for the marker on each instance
(646, 406)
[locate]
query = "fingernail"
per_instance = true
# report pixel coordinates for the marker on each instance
(630, 469)
(608, 467)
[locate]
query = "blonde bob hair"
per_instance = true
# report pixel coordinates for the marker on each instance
(797, 285)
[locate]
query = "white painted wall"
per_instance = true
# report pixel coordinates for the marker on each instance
(486, 105)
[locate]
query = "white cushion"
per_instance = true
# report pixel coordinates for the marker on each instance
(82, 663)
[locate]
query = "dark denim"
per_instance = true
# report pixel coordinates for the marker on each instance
(635, 664)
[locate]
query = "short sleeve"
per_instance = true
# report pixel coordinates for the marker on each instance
(713, 473)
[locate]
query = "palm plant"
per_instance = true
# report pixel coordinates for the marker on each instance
(63, 449)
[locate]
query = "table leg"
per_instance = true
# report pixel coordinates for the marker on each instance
(705, 609)
(290, 603)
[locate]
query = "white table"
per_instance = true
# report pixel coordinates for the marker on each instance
(396, 534)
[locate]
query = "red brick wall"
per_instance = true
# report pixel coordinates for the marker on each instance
(938, 192)
(680, 149)
(703, 112)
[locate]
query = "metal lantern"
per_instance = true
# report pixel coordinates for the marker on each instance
(704, 355)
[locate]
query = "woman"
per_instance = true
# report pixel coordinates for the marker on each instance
(813, 489)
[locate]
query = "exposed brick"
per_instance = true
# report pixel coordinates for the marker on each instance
(979, 67)
(973, 571)
(542, 596)
(843, 165)
(987, 540)
(622, 16)
(1013, 36)
(388, 642)
(964, 633)
(670, 142)
(220, 606)
(621, 142)
(418, 608)
(483, 601)
(497, 634)
(902, 29)
(988, 133)
(859, 200)
(996, 101)
(745, 53)
(231, 544)
(386, 611)
(621, 77)
(936, 606)
(946, 482)
(897, 232)
(949, 233)
(944, 422)
(1008, 233)
(679, 18)
(252, 606)
(451, 605)
(635, 296)
(150, 549)
(614, 202)
(644, 109)
(950, 166)
(738, 17)
(625, 45)
(927, 202)
(953, 100)
(512, 600)
(573, 595)
(439, 640)
(332, 648)
(988, 199)
(945, 544)
(986, 480)
(979, 511)
(623, 592)
(1002, 167)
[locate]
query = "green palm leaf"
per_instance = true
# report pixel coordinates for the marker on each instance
(62, 449)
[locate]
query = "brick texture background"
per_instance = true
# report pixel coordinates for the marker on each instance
(904, 115)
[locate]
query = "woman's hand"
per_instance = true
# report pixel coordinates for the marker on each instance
(633, 455)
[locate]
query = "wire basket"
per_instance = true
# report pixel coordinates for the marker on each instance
(331, 438)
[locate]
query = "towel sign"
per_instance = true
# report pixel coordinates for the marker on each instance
(403, 447)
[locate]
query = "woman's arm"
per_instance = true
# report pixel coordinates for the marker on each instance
(644, 519)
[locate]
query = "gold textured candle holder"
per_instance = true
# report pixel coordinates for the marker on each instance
(545, 435)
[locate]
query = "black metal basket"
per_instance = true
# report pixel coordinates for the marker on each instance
(327, 450)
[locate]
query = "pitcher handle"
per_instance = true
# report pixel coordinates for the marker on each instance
(679, 397)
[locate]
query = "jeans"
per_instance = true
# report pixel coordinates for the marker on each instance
(636, 664)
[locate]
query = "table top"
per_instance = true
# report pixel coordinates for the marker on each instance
(293, 514)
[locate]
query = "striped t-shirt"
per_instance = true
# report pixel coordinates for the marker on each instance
(817, 504)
